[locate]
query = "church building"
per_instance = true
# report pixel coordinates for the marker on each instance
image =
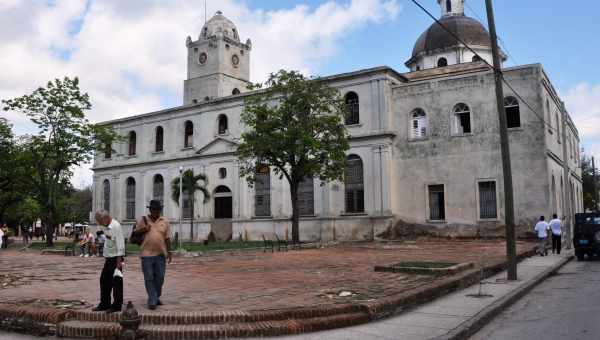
(424, 153)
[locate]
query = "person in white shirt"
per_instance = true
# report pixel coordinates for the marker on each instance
(542, 232)
(1, 237)
(114, 250)
(556, 226)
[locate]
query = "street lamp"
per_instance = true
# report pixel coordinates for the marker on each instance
(180, 203)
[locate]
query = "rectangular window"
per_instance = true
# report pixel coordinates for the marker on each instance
(437, 209)
(187, 205)
(487, 200)
(463, 121)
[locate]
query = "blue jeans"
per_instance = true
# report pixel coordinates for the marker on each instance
(154, 268)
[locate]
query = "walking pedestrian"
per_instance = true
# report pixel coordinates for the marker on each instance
(111, 279)
(556, 227)
(542, 232)
(4, 238)
(154, 251)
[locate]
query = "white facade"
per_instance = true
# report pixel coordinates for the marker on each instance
(402, 173)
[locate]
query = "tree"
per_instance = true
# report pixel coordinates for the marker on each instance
(65, 139)
(14, 173)
(590, 195)
(296, 127)
(25, 213)
(191, 183)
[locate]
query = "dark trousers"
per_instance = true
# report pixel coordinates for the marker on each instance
(154, 268)
(110, 283)
(556, 243)
(4, 242)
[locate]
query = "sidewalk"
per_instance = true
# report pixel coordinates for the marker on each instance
(455, 315)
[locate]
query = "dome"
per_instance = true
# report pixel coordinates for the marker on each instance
(220, 24)
(436, 37)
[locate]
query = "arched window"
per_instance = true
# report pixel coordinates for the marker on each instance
(351, 101)
(557, 127)
(106, 195)
(188, 140)
(462, 119)
(158, 188)
(262, 192)
(222, 124)
(354, 182)
(418, 126)
(158, 143)
(306, 197)
(442, 62)
(476, 58)
(554, 202)
(513, 112)
(108, 151)
(132, 142)
(448, 6)
(235, 91)
(130, 199)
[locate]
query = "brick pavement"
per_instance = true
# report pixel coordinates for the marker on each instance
(241, 280)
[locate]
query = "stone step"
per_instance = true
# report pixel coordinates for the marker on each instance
(108, 330)
(193, 318)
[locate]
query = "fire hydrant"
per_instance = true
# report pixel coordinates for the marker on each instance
(130, 323)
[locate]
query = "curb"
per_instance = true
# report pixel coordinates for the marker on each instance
(474, 324)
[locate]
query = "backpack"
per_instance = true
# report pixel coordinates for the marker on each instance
(137, 237)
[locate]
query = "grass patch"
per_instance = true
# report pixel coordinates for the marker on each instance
(425, 264)
(58, 245)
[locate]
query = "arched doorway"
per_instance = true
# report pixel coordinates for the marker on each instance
(223, 202)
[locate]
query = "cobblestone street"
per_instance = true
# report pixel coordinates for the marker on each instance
(250, 280)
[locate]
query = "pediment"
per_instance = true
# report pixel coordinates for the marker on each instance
(218, 146)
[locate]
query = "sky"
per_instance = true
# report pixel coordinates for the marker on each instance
(130, 55)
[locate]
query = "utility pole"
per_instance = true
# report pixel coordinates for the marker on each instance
(567, 197)
(509, 206)
(595, 180)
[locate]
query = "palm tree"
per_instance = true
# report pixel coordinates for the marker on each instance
(191, 184)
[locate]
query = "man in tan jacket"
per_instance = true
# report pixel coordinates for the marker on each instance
(154, 251)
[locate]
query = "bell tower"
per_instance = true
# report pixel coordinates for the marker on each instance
(218, 63)
(452, 7)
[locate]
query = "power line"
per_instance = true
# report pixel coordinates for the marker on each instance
(540, 117)
(504, 47)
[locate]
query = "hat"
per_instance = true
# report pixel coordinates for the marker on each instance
(155, 204)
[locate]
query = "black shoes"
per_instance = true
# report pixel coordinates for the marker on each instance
(113, 310)
(100, 309)
(151, 307)
(159, 303)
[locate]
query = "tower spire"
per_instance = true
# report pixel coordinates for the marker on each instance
(452, 7)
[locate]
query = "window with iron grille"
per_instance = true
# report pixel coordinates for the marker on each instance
(513, 112)
(437, 208)
(352, 104)
(306, 197)
(132, 143)
(442, 62)
(262, 192)
(188, 140)
(462, 119)
(158, 147)
(108, 151)
(487, 200)
(354, 182)
(158, 189)
(418, 124)
(130, 199)
(106, 195)
(186, 204)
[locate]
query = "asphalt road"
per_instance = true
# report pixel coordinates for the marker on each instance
(565, 306)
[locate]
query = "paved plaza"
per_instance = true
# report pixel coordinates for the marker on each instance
(242, 280)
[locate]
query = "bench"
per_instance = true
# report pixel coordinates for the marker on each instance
(268, 244)
(281, 243)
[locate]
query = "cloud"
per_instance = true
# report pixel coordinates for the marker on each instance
(582, 103)
(130, 55)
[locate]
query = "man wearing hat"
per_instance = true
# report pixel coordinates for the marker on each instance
(154, 251)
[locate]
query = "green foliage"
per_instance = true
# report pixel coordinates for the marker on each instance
(65, 139)
(15, 174)
(191, 184)
(590, 197)
(296, 127)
